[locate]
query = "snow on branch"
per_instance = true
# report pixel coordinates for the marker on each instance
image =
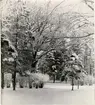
(90, 34)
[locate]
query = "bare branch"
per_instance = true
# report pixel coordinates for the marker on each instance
(90, 6)
(77, 37)
(56, 7)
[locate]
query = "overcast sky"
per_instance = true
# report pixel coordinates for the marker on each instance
(67, 5)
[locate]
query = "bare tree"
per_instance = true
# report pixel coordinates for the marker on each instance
(28, 29)
(34, 29)
(90, 4)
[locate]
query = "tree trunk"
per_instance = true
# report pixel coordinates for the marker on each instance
(33, 67)
(21, 83)
(14, 80)
(72, 83)
(2, 74)
(30, 83)
(2, 80)
(54, 78)
(78, 83)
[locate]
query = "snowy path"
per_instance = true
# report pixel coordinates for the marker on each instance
(51, 94)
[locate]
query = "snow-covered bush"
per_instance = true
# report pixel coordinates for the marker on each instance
(8, 79)
(22, 80)
(87, 80)
(33, 80)
(39, 77)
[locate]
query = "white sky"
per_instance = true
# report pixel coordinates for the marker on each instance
(74, 5)
(67, 5)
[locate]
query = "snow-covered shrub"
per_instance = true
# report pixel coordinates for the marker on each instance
(90, 79)
(22, 80)
(87, 80)
(8, 79)
(38, 79)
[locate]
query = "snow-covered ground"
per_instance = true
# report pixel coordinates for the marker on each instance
(51, 94)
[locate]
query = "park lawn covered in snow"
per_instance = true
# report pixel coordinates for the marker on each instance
(51, 94)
